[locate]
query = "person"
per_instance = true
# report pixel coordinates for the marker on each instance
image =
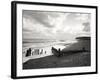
(45, 52)
(59, 52)
(55, 51)
(42, 51)
(29, 51)
(38, 51)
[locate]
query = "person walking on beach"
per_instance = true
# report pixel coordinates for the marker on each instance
(42, 51)
(38, 51)
(45, 52)
(28, 52)
(59, 51)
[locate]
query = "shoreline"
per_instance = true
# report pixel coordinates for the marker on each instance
(47, 49)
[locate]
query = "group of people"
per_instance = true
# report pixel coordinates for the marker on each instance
(56, 52)
(31, 52)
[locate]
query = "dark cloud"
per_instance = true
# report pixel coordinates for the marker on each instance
(41, 17)
(58, 24)
(86, 27)
(26, 30)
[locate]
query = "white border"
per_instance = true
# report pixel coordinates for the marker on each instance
(35, 72)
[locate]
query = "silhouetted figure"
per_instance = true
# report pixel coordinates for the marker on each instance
(59, 52)
(28, 52)
(55, 51)
(38, 51)
(42, 51)
(45, 52)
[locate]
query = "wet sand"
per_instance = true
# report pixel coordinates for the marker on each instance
(52, 61)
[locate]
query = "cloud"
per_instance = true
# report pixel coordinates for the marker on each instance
(45, 18)
(86, 27)
(53, 25)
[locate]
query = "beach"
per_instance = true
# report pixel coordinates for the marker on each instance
(69, 60)
(74, 55)
(45, 48)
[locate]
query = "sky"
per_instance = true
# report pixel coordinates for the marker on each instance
(54, 25)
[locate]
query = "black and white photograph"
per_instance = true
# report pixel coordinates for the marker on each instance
(53, 39)
(56, 39)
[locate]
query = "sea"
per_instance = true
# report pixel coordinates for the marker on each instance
(41, 43)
